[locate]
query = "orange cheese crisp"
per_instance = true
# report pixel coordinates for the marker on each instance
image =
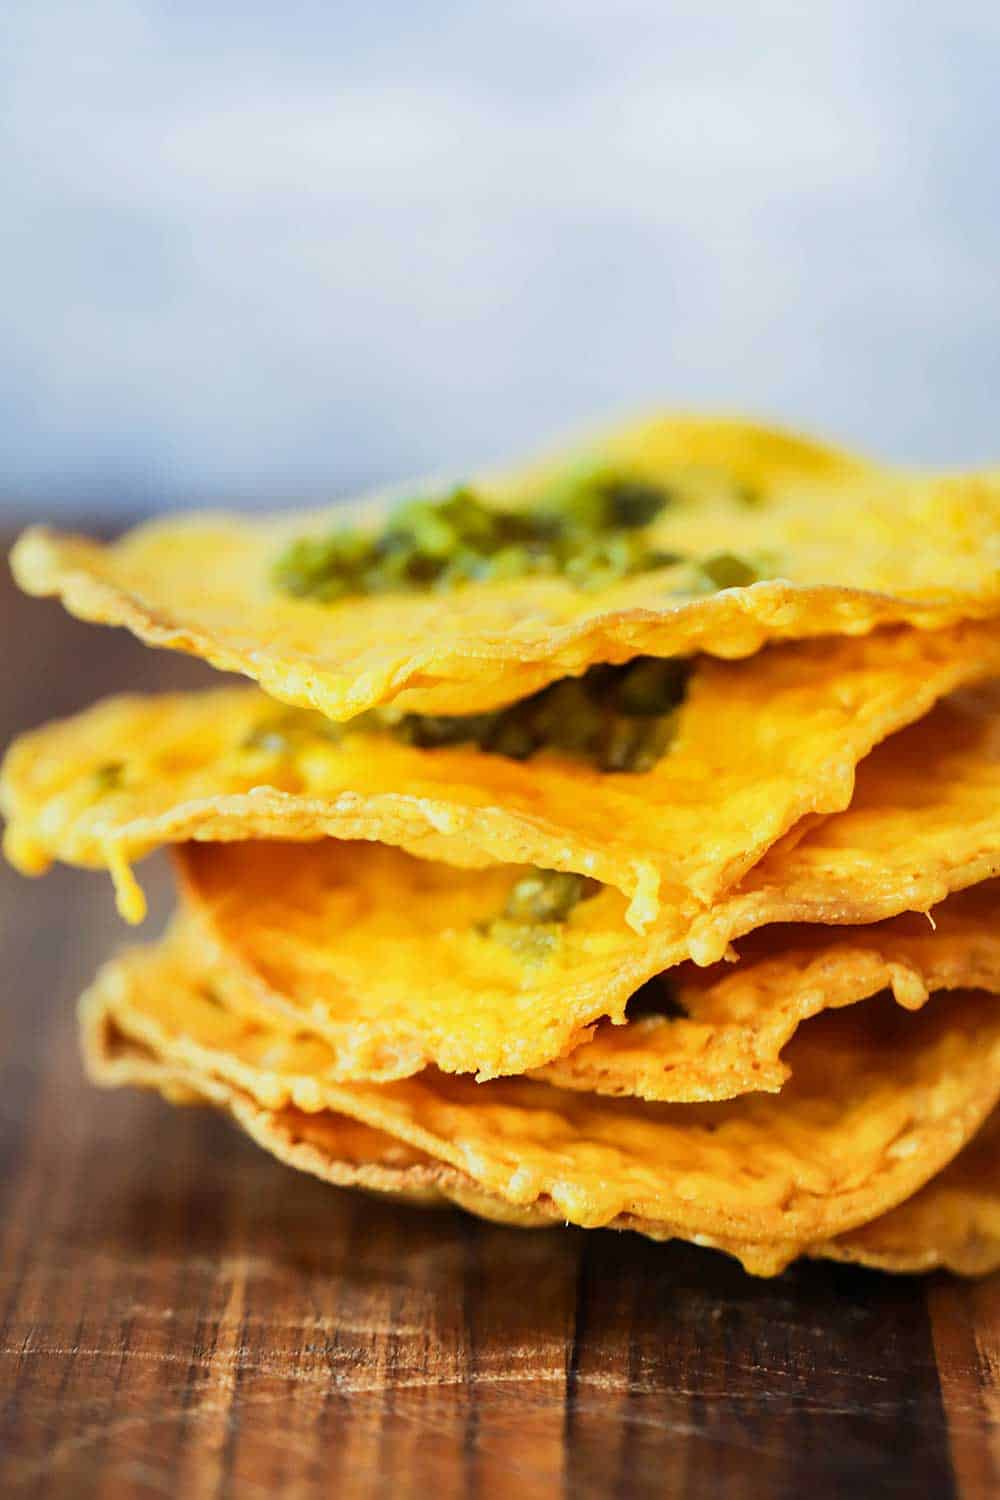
(758, 745)
(953, 1222)
(736, 1019)
(840, 547)
(396, 963)
(879, 1101)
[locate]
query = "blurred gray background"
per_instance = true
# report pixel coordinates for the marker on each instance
(259, 252)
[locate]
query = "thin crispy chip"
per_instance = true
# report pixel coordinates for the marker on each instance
(952, 1222)
(924, 821)
(389, 959)
(879, 1101)
(386, 957)
(736, 1021)
(849, 548)
(759, 745)
(330, 1146)
(356, 1155)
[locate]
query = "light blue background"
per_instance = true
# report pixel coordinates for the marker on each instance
(255, 252)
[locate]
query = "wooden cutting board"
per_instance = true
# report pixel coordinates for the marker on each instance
(184, 1317)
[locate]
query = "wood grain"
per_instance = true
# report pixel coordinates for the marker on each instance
(182, 1316)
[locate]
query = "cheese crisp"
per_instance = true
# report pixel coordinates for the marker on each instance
(398, 962)
(669, 538)
(727, 1026)
(879, 1101)
(755, 746)
(953, 1222)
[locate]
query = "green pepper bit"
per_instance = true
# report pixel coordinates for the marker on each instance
(110, 776)
(587, 531)
(619, 718)
(537, 905)
(547, 895)
(724, 570)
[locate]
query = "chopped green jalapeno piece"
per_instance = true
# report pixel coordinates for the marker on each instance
(589, 527)
(726, 571)
(588, 530)
(618, 718)
(109, 776)
(547, 896)
(537, 906)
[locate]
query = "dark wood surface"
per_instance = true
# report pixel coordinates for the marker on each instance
(181, 1316)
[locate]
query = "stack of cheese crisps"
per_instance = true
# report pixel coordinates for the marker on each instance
(616, 842)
